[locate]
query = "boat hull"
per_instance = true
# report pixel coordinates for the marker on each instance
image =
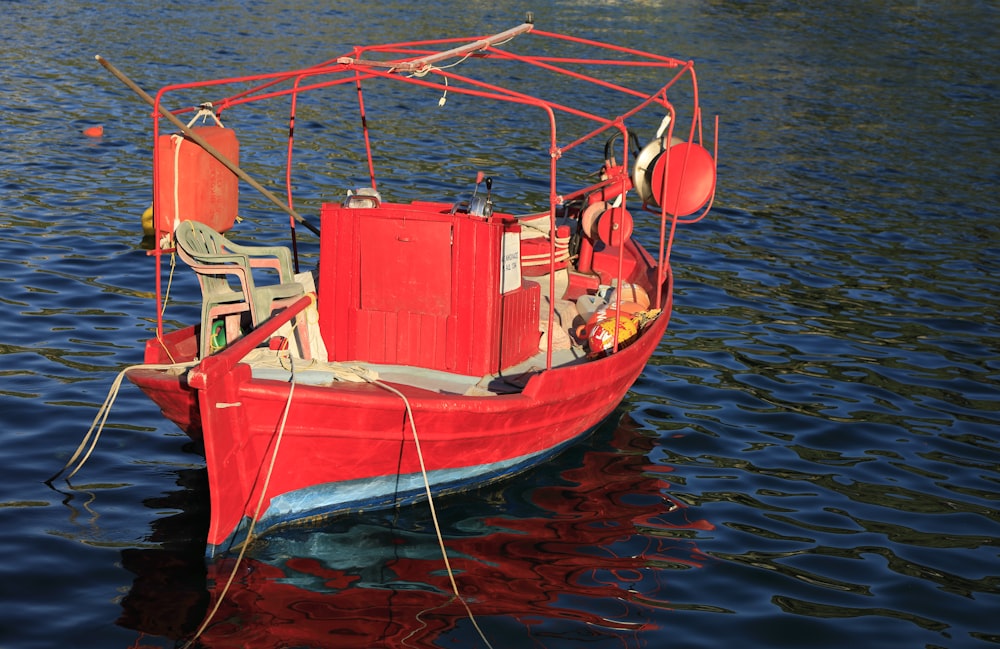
(279, 453)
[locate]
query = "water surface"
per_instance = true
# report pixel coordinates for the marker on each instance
(810, 459)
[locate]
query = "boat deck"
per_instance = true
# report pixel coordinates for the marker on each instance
(266, 364)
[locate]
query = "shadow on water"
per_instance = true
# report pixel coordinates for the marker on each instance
(582, 550)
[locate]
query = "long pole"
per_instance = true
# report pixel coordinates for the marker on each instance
(215, 153)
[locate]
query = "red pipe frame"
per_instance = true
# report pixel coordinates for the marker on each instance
(358, 71)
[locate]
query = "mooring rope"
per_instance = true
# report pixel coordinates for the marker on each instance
(256, 515)
(430, 503)
(267, 479)
(97, 427)
(104, 411)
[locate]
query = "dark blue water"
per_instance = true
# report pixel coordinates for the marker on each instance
(811, 459)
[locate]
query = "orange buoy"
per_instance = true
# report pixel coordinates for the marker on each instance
(632, 308)
(635, 293)
(94, 131)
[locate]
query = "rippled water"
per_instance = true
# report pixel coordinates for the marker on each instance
(810, 459)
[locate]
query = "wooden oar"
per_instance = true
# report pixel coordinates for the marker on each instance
(215, 153)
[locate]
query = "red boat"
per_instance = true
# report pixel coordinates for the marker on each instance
(449, 343)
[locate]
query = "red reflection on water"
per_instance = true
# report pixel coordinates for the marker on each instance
(590, 557)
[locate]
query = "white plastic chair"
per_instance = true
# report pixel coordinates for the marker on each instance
(217, 261)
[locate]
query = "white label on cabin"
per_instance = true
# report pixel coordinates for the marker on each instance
(510, 262)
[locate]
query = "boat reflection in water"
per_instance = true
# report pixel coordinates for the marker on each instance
(580, 555)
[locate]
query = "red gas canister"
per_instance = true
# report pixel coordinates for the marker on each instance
(192, 184)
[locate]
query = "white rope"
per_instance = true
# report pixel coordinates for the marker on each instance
(430, 503)
(177, 140)
(542, 259)
(105, 409)
(267, 479)
(102, 415)
(205, 111)
(268, 359)
(170, 283)
(256, 515)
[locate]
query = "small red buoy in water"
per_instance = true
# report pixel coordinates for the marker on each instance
(94, 131)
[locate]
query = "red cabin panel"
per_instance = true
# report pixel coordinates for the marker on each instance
(405, 266)
(415, 285)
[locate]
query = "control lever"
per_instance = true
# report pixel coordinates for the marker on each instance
(477, 205)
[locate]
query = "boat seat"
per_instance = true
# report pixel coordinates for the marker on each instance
(217, 261)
